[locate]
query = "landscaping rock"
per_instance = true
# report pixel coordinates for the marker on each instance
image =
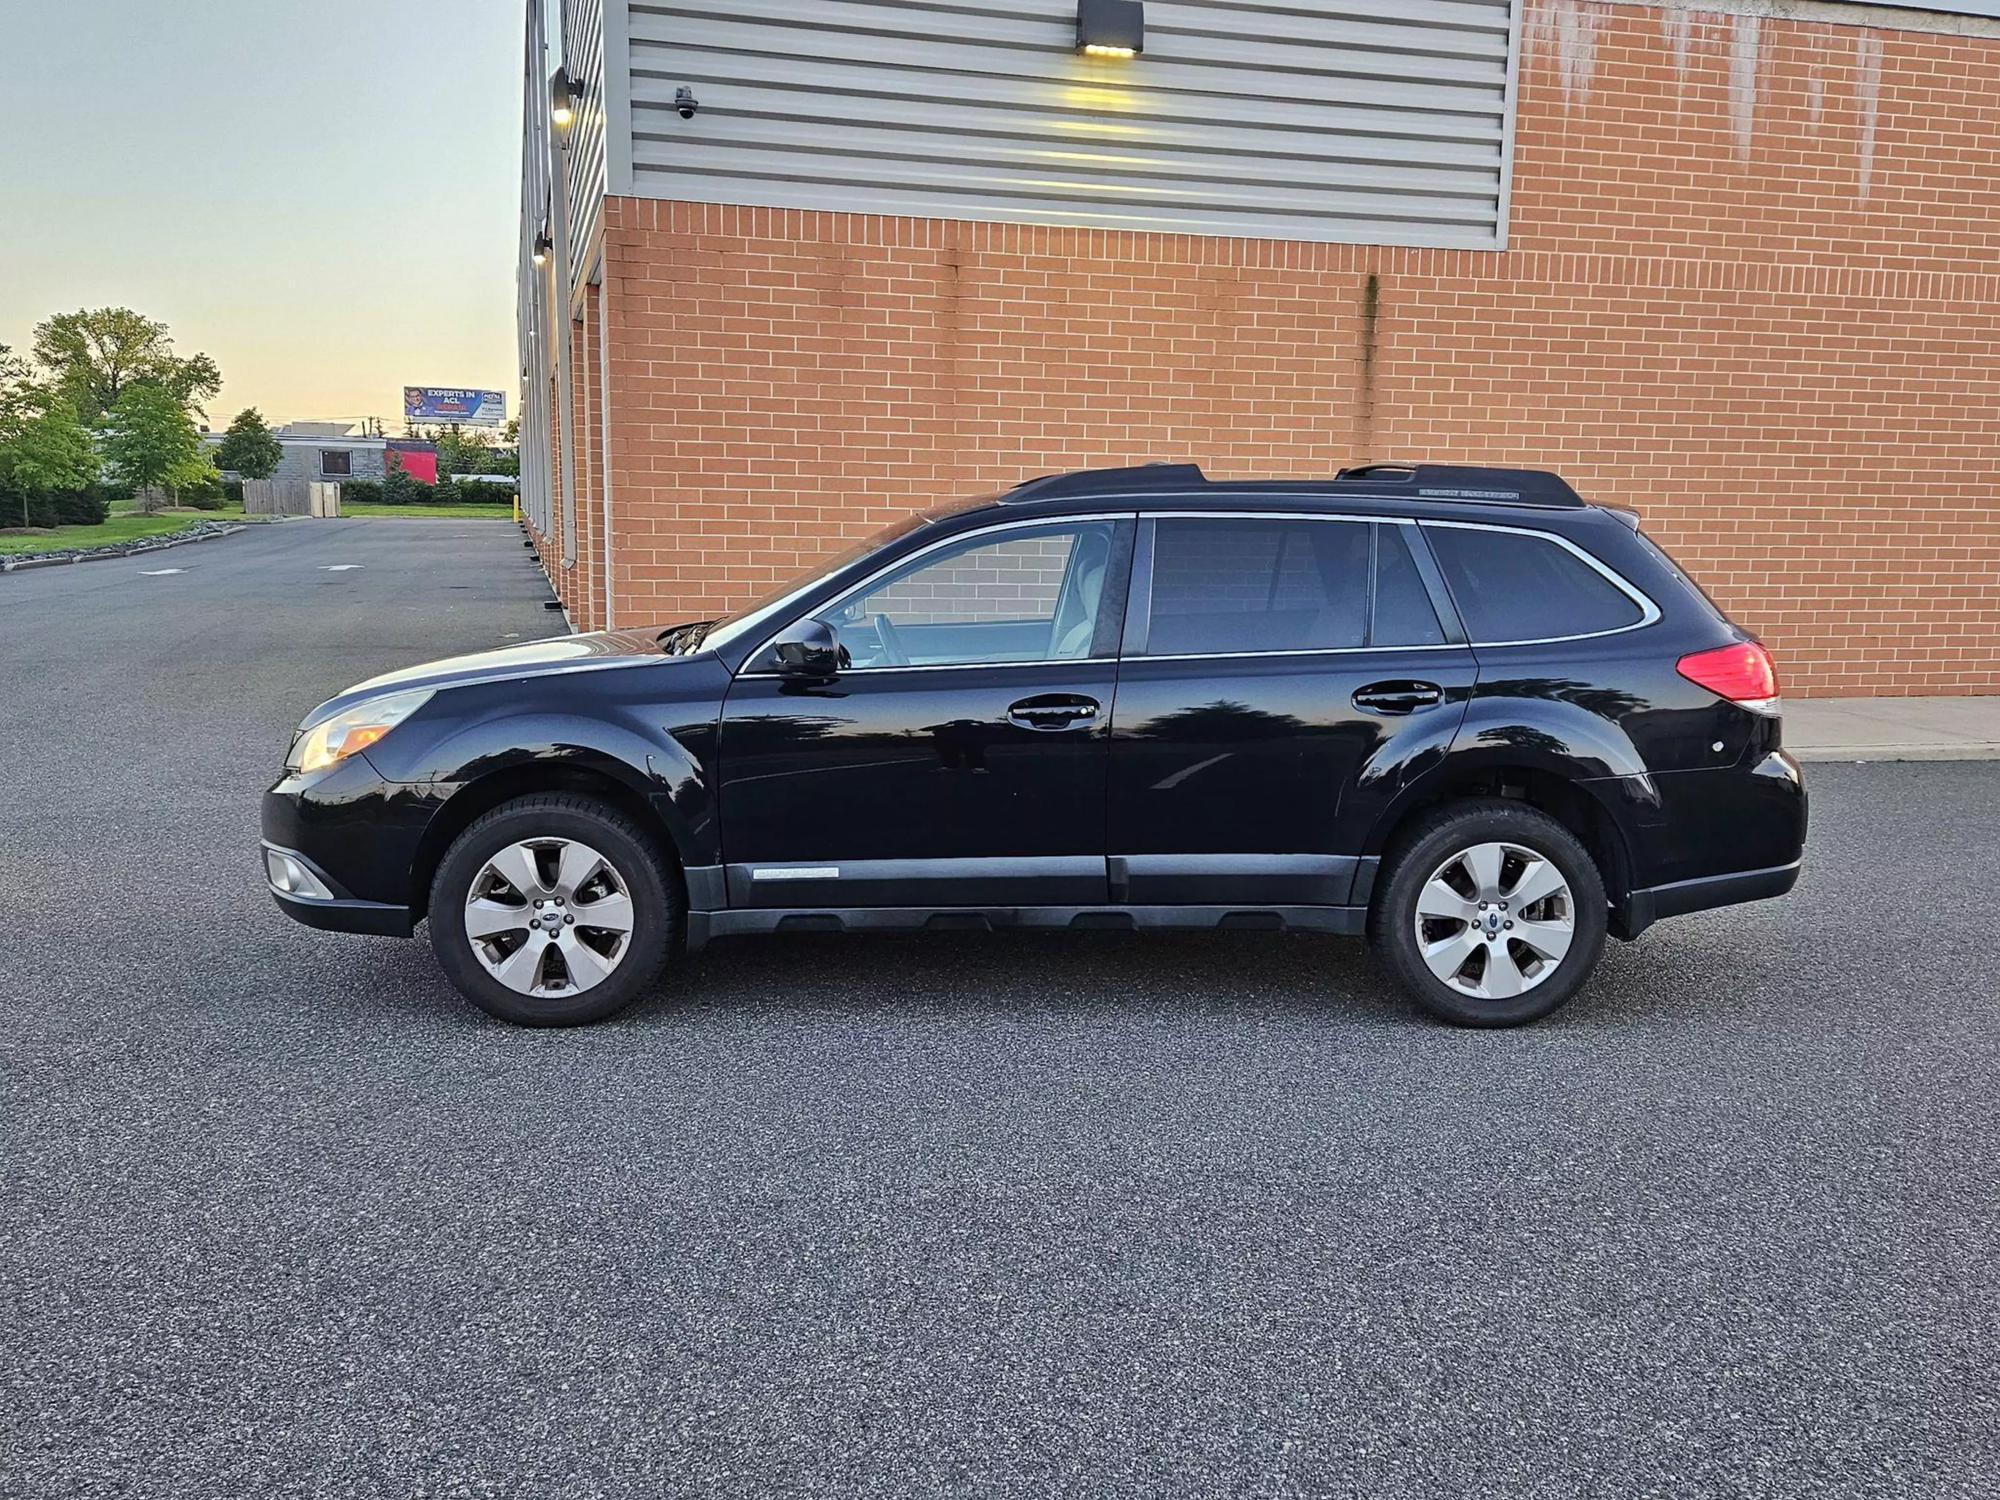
(200, 532)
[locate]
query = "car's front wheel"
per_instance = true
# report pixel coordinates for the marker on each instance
(1492, 913)
(552, 910)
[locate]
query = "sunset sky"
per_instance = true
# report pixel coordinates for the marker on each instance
(321, 197)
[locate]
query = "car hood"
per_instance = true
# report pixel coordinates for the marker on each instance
(563, 653)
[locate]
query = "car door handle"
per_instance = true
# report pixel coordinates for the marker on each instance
(1053, 711)
(1398, 697)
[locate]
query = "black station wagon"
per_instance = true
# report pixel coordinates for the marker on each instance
(1458, 710)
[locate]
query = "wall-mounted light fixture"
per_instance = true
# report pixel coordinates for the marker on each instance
(1110, 28)
(543, 245)
(565, 93)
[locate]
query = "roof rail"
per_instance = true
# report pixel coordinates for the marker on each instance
(1465, 482)
(1103, 481)
(1404, 481)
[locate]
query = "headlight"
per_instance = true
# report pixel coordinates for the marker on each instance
(352, 730)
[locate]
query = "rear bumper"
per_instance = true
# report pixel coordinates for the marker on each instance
(1645, 907)
(1702, 839)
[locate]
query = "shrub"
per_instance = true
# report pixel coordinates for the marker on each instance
(207, 495)
(471, 492)
(61, 507)
(232, 491)
(399, 488)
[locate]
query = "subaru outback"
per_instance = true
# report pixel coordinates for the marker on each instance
(1458, 711)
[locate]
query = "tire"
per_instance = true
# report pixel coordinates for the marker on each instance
(582, 857)
(1451, 847)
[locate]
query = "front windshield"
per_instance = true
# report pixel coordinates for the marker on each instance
(741, 622)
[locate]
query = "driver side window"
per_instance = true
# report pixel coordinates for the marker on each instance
(1019, 596)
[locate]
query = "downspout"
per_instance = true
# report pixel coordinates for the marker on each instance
(560, 322)
(604, 418)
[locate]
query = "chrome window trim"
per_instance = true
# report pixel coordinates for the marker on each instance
(1297, 651)
(1275, 515)
(1649, 612)
(944, 541)
(959, 666)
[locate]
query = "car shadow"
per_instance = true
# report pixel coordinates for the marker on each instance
(1222, 975)
(1005, 972)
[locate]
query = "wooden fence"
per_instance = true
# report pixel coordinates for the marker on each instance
(290, 497)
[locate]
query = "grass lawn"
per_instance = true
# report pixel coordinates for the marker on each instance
(475, 512)
(119, 528)
(229, 511)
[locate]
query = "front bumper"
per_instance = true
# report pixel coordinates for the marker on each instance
(359, 837)
(336, 911)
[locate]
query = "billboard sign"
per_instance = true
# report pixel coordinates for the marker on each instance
(444, 403)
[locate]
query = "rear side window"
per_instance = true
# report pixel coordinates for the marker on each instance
(1223, 585)
(1403, 612)
(1511, 586)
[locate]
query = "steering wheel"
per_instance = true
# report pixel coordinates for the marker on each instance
(892, 643)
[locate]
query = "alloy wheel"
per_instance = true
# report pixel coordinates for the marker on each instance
(1494, 920)
(549, 917)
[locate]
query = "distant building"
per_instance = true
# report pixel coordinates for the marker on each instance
(331, 450)
(416, 458)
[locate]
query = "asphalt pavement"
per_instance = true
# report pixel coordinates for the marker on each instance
(1011, 1215)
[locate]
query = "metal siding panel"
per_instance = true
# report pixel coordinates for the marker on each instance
(820, 93)
(533, 281)
(1382, 121)
(583, 52)
(617, 99)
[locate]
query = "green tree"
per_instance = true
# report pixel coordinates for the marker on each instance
(248, 447)
(399, 486)
(13, 371)
(150, 442)
(461, 450)
(17, 390)
(43, 448)
(93, 356)
(197, 471)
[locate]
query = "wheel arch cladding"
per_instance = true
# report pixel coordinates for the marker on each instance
(604, 780)
(1538, 727)
(1575, 804)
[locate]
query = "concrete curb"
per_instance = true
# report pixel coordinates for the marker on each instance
(109, 554)
(1862, 754)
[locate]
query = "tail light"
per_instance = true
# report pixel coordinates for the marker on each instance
(1742, 673)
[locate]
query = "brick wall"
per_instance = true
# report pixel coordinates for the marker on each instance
(1749, 291)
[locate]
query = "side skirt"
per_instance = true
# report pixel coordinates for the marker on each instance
(1347, 921)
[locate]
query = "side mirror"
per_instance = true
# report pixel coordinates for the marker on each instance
(810, 648)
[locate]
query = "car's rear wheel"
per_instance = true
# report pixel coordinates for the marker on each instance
(1491, 913)
(552, 910)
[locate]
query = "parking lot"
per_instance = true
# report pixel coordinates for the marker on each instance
(1083, 1215)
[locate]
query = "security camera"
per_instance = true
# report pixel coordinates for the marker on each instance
(685, 102)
